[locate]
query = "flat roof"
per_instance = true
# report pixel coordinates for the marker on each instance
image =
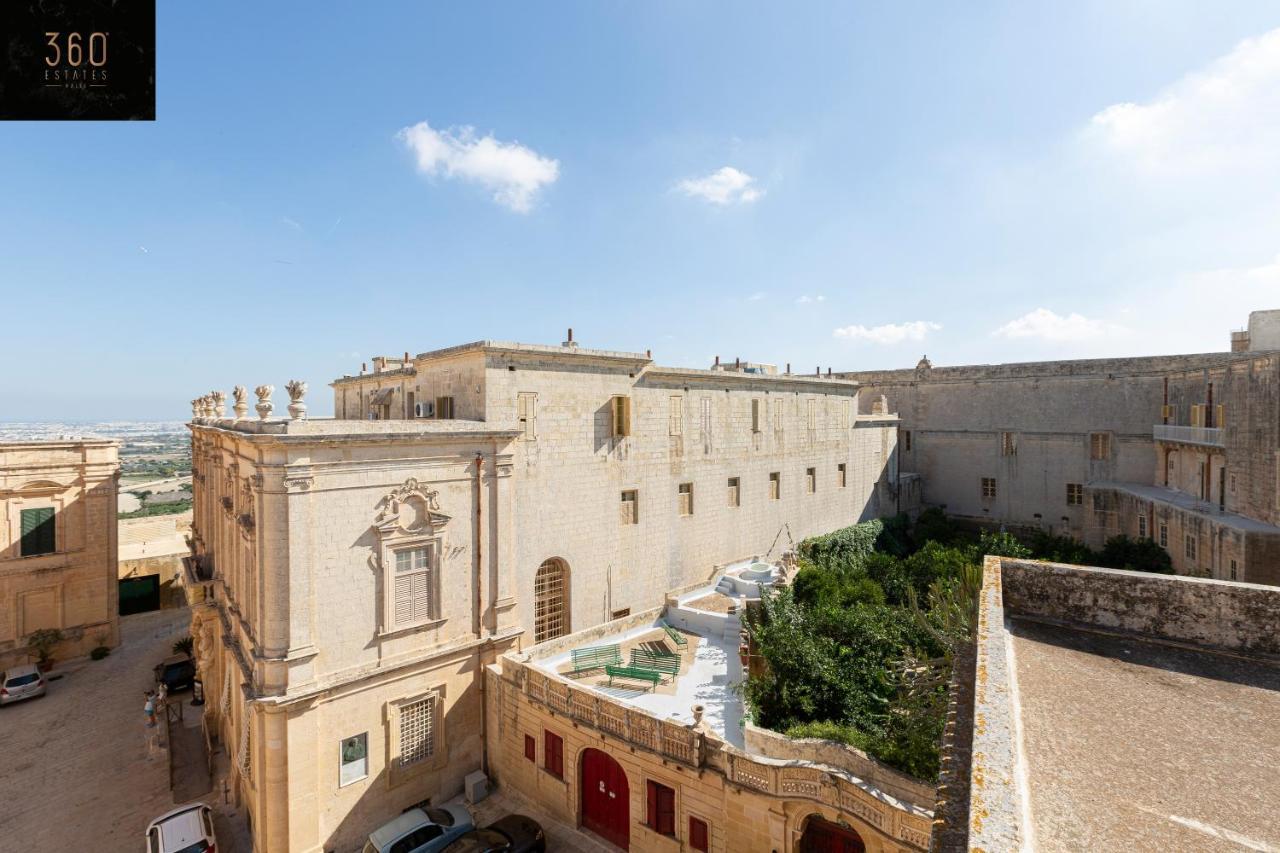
(1137, 745)
(1190, 503)
(333, 429)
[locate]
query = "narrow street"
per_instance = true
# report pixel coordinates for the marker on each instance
(79, 773)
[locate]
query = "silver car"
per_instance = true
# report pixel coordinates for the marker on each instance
(186, 829)
(21, 682)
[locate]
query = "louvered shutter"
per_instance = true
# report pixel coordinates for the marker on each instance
(38, 531)
(404, 600)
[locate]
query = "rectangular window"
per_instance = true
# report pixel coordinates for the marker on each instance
(620, 409)
(662, 808)
(735, 492)
(444, 408)
(531, 748)
(1075, 494)
(630, 507)
(812, 416)
(354, 759)
(527, 414)
(413, 586)
(1008, 444)
(675, 424)
(988, 488)
(811, 479)
(906, 439)
(685, 498)
(1099, 445)
(553, 754)
(1220, 417)
(844, 414)
(1164, 536)
(755, 415)
(417, 731)
(842, 474)
(699, 834)
(1189, 549)
(619, 614)
(1233, 569)
(1142, 527)
(775, 486)
(38, 532)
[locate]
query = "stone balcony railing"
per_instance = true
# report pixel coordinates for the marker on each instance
(834, 786)
(1206, 436)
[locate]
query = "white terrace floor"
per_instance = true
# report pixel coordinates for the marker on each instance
(709, 672)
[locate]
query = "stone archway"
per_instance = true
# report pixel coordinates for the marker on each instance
(605, 797)
(823, 836)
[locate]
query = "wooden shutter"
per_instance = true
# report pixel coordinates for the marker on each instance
(698, 834)
(553, 753)
(422, 597)
(404, 600)
(38, 531)
(530, 748)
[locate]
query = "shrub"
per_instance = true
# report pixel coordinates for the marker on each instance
(932, 525)
(1061, 549)
(183, 646)
(843, 545)
(99, 652)
(42, 642)
(830, 731)
(1001, 544)
(1136, 555)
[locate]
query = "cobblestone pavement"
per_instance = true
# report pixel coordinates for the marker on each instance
(78, 772)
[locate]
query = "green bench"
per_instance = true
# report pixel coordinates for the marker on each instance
(595, 657)
(676, 636)
(633, 672)
(660, 662)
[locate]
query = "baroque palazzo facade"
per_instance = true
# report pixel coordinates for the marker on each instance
(354, 577)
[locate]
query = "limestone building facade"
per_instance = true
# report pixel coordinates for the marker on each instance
(354, 576)
(58, 545)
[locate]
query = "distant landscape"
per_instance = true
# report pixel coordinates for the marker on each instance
(155, 459)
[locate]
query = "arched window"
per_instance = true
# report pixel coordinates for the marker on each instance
(550, 601)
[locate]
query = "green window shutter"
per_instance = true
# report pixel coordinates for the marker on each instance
(38, 531)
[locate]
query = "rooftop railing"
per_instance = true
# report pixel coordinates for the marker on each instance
(1207, 436)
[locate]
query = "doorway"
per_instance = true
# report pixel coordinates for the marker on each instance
(823, 836)
(606, 801)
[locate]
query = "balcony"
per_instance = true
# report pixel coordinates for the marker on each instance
(1204, 436)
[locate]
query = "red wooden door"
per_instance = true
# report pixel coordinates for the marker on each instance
(606, 802)
(823, 836)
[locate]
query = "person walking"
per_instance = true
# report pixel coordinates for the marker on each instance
(149, 709)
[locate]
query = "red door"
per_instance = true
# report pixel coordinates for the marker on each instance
(606, 803)
(823, 836)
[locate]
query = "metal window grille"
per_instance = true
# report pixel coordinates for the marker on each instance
(417, 731)
(988, 487)
(549, 619)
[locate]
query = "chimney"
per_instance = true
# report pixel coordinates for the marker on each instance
(570, 342)
(717, 364)
(406, 357)
(648, 354)
(788, 368)
(828, 372)
(737, 364)
(364, 365)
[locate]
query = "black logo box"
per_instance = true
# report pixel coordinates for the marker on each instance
(103, 60)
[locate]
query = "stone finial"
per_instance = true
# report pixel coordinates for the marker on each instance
(241, 407)
(296, 388)
(219, 399)
(195, 408)
(264, 406)
(924, 363)
(206, 406)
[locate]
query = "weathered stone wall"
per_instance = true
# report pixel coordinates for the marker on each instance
(1242, 618)
(74, 588)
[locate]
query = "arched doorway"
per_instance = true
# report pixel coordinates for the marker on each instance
(606, 800)
(823, 836)
(551, 600)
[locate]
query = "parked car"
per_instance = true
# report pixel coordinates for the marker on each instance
(186, 829)
(21, 682)
(176, 672)
(420, 830)
(514, 833)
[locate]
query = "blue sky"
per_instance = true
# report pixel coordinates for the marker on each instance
(845, 185)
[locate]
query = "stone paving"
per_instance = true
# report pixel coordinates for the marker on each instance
(560, 838)
(79, 772)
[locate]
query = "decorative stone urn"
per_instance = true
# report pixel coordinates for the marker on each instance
(296, 388)
(219, 403)
(264, 406)
(241, 407)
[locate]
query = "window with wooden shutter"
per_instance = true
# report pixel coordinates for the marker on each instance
(685, 496)
(735, 491)
(811, 478)
(527, 414)
(906, 439)
(988, 488)
(699, 834)
(413, 586)
(553, 754)
(444, 408)
(1099, 445)
(775, 486)
(842, 475)
(812, 417)
(630, 507)
(675, 425)
(530, 748)
(620, 409)
(38, 532)
(661, 816)
(1075, 494)
(755, 415)
(1008, 444)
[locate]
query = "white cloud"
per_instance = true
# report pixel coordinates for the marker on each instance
(1222, 119)
(757, 296)
(292, 223)
(890, 333)
(806, 300)
(1046, 325)
(724, 187)
(514, 173)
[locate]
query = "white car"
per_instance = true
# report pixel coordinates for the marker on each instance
(21, 682)
(186, 829)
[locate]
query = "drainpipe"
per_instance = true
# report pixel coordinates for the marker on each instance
(477, 620)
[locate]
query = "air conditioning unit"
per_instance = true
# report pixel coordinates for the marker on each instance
(424, 410)
(476, 786)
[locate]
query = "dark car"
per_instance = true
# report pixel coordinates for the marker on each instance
(176, 673)
(514, 833)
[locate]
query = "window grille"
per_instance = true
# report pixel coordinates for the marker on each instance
(417, 731)
(549, 599)
(988, 487)
(1075, 494)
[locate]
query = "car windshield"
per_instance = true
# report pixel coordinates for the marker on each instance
(480, 841)
(440, 816)
(176, 669)
(198, 847)
(19, 680)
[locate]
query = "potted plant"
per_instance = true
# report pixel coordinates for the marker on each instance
(42, 642)
(184, 646)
